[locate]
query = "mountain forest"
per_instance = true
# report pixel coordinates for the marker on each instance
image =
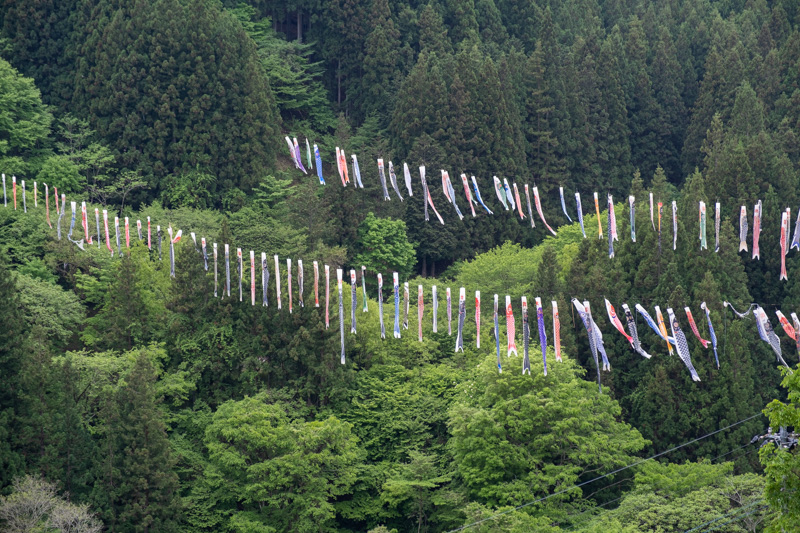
(143, 391)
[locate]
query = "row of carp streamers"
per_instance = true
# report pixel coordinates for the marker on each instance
(509, 197)
(595, 336)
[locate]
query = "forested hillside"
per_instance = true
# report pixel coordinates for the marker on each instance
(139, 394)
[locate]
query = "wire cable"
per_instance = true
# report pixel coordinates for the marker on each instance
(578, 485)
(729, 513)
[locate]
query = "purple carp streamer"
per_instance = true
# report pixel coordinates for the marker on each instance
(542, 334)
(711, 333)
(420, 311)
(462, 312)
(681, 345)
(743, 229)
(538, 202)
(598, 338)
(501, 194)
(407, 176)
(478, 196)
(756, 230)
(674, 225)
(610, 235)
(497, 334)
(693, 325)
(511, 332)
(717, 217)
(477, 319)
(278, 284)
(264, 280)
(252, 278)
(298, 156)
(316, 284)
(353, 302)
(660, 206)
(46, 202)
(580, 212)
(784, 232)
(396, 286)
(519, 202)
(319, 165)
(216, 277)
(406, 304)
(467, 193)
(364, 308)
(435, 301)
(509, 195)
(530, 211)
(449, 311)
(556, 331)
(702, 215)
(380, 305)
(382, 175)
(393, 180)
(637, 345)
(239, 267)
(327, 294)
(632, 205)
(227, 270)
(563, 204)
(341, 311)
(526, 338)
(590, 332)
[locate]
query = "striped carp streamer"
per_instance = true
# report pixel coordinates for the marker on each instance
(327, 295)
(477, 319)
(530, 211)
(396, 288)
(406, 304)
(450, 193)
(407, 177)
(784, 232)
(364, 307)
(55, 197)
(36, 195)
(786, 235)
(796, 238)
(462, 312)
(159, 236)
(252, 278)
(308, 153)
(632, 205)
(393, 180)
(202, 247)
(227, 291)
(264, 280)
(652, 221)
(85, 224)
(382, 175)
(616, 322)
(478, 196)
(24, 201)
(598, 337)
(526, 338)
(357, 171)
(316, 283)
(787, 327)
(756, 230)
(796, 323)
(71, 226)
(240, 270)
(149, 242)
(612, 225)
(716, 226)
(299, 156)
(278, 284)
(420, 311)
(470, 199)
(380, 305)
(14, 190)
(556, 331)
(693, 325)
(435, 301)
(634, 332)
(500, 192)
(468, 194)
(662, 326)
(5, 198)
(652, 323)
(341, 310)
(580, 212)
(46, 203)
(318, 159)
(511, 332)
(292, 152)
(216, 278)
(449, 302)
(537, 199)
(563, 204)
(139, 233)
(681, 345)
(353, 302)
(424, 192)
(97, 225)
(743, 229)
(737, 313)
(597, 210)
(497, 335)
(702, 215)
(674, 224)
(61, 216)
(289, 283)
(542, 333)
(610, 234)
(711, 333)
(429, 198)
(127, 233)
(105, 228)
(590, 333)
(509, 195)
(343, 163)
(172, 242)
(519, 202)
(119, 248)
(300, 286)
(768, 335)
(660, 206)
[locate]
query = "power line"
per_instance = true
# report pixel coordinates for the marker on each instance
(729, 513)
(518, 507)
(740, 518)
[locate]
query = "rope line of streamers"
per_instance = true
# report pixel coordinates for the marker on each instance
(636, 463)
